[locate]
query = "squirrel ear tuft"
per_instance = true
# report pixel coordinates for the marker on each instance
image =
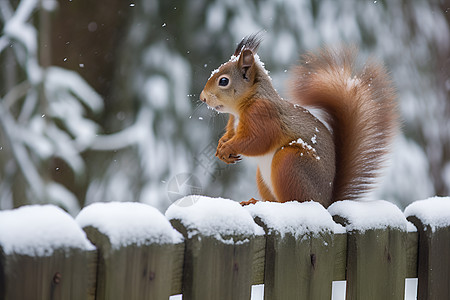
(249, 42)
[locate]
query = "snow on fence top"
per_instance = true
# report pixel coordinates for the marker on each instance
(434, 212)
(38, 230)
(217, 217)
(296, 218)
(126, 223)
(365, 215)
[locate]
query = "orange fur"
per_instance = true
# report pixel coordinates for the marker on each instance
(298, 157)
(264, 191)
(361, 109)
(258, 132)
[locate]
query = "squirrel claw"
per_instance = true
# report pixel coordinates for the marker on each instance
(226, 154)
(235, 158)
(231, 159)
(251, 201)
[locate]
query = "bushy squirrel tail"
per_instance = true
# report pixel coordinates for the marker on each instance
(360, 109)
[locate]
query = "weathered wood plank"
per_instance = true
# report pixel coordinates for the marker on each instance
(299, 253)
(376, 248)
(177, 269)
(434, 261)
(259, 259)
(412, 249)
(340, 256)
(133, 271)
(321, 266)
(44, 255)
(215, 267)
(299, 267)
(376, 264)
(66, 274)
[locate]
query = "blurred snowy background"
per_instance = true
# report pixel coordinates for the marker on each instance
(99, 99)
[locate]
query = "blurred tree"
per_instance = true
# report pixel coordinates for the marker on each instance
(148, 60)
(85, 36)
(43, 112)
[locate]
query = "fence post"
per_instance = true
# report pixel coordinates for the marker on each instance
(376, 248)
(48, 258)
(432, 219)
(412, 257)
(299, 260)
(259, 259)
(138, 250)
(219, 237)
(340, 253)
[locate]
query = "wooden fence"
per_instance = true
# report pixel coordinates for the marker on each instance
(374, 262)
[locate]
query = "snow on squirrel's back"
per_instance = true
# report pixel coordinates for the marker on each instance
(39, 230)
(127, 223)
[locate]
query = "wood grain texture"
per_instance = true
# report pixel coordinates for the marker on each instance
(134, 271)
(216, 266)
(433, 270)
(66, 274)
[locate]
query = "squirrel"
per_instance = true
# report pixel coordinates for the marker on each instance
(299, 157)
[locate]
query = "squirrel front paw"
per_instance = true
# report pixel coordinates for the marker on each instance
(222, 141)
(225, 153)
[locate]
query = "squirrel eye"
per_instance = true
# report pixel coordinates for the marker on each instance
(223, 81)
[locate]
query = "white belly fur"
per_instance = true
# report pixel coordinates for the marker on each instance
(265, 167)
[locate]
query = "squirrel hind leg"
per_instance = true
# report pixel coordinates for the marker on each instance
(263, 189)
(297, 177)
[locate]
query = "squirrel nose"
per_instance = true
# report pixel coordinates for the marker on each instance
(202, 96)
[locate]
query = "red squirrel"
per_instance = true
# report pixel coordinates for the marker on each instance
(300, 158)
